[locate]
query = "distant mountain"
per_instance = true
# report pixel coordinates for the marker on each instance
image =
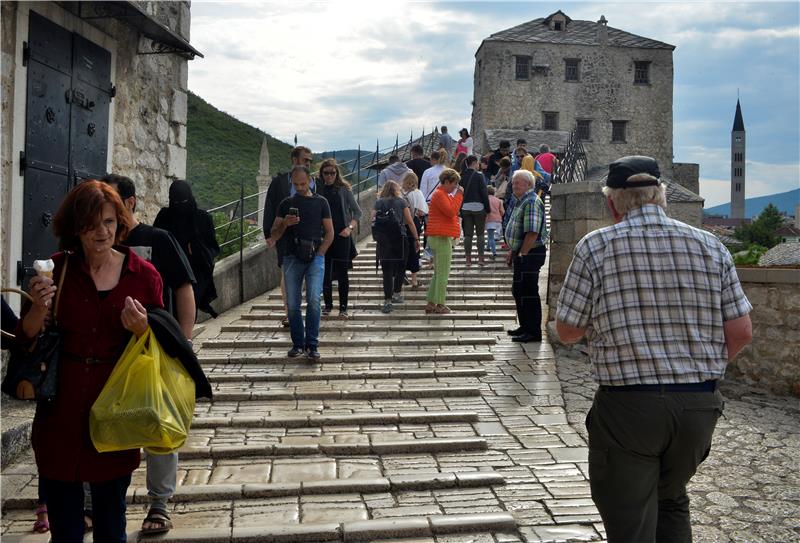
(784, 201)
(223, 151)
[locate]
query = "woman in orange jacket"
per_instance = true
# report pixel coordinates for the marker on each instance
(443, 228)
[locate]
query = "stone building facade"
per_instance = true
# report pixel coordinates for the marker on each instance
(556, 73)
(125, 109)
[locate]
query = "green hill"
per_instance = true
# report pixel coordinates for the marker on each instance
(221, 151)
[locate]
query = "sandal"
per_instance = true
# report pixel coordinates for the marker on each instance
(88, 521)
(41, 526)
(159, 521)
(442, 309)
(430, 308)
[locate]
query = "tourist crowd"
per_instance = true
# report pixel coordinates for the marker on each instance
(424, 208)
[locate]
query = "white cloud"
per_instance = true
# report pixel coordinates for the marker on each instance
(340, 74)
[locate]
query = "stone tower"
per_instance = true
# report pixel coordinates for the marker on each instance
(543, 78)
(262, 179)
(737, 165)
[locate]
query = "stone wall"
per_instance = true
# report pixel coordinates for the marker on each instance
(687, 175)
(151, 109)
(604, 92)
(771, 361)
(8, 64)
(688, 212)
(147, 117)
(261, 266)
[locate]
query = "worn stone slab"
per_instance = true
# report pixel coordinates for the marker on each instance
(299, 533)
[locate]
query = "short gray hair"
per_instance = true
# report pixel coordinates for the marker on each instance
(635, 197)
(526, 174)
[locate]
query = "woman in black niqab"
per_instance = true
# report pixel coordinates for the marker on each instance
(193, 228)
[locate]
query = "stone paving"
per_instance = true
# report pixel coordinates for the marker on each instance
(413, 428)
(421, 428)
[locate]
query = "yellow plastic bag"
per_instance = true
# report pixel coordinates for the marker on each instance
(148, 401)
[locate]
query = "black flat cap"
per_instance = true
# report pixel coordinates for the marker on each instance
(620, 170)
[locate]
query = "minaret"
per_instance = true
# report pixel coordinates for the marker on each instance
(737, 164)
(262, 179)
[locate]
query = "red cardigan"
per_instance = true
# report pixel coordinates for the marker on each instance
(90, 328)
(443, 213)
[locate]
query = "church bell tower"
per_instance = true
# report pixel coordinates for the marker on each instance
(737, 165)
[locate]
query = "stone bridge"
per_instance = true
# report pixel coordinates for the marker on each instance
(419, 428)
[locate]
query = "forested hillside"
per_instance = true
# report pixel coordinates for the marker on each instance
(222, 151)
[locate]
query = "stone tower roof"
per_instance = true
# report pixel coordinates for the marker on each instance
(575, 33)
(738, 121)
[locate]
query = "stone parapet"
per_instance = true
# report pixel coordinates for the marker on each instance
(575, 210)
(771, 361)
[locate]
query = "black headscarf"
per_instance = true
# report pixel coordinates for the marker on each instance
(182, 212)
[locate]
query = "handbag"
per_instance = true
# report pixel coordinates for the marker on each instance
(33, 372)
(305, 249)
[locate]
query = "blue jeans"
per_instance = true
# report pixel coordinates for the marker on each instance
(491, 242)
(294, 271)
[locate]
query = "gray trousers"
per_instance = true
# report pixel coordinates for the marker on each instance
(643, 449)
(473, 223)
(162, 472)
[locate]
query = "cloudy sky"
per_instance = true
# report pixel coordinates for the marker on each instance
(343, 73)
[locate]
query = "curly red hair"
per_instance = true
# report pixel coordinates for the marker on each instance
(82, 208)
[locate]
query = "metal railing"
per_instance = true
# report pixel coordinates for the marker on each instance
(572, 168)
(241, 223)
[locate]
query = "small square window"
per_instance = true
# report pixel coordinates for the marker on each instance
(571, 69)
(523, 67)
(641, 75)
(557, 25)
(550, 120)
(583, 129)
(618, 131)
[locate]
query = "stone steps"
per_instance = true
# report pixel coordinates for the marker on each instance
(311, 421)
(408, 294)
(345, 375)
(259, 357)
(406, 308)
(329, 342)
(344, 326)
(396, 528)
(352, 393)
(422, 318)
(365, 446)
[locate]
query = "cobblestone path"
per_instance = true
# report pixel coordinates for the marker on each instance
(748, 489)
(413, 428)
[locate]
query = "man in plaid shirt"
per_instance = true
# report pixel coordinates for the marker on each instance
(663, 311)
(526, 235)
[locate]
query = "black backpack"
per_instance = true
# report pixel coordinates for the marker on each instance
(387, 225)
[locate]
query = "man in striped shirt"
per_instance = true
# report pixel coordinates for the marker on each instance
(663, 312)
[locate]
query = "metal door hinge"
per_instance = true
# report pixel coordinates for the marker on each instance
(23, 162)
(113, 91)
(26, 53)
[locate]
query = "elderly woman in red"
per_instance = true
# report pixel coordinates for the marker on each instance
(102, 301)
